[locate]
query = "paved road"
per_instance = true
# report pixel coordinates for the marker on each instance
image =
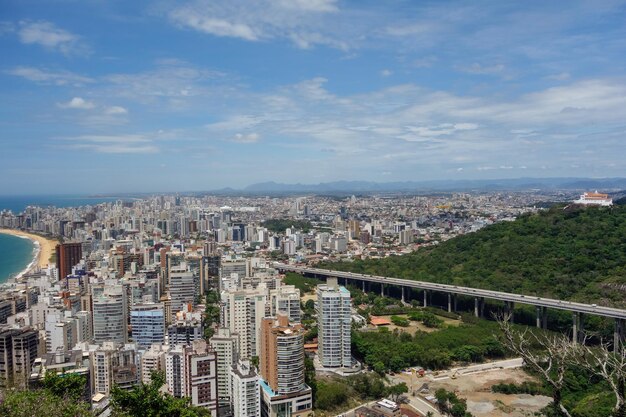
(474, 292)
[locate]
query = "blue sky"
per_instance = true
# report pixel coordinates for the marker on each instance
(107, 96)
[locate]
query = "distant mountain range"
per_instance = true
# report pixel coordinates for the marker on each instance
(343, 187)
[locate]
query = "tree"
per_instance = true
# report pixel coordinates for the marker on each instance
(330, 395)
(41, 403)
(609, 365)
(70, 386)
(548, 354)
(395, 391)
(147, 400)
(309, 376)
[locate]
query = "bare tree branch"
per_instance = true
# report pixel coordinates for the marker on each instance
(610, 365)
(548, 354)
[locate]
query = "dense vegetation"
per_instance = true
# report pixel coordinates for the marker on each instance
(302, 283)
(450, 404)
(63, 396)
(147, 400)
(574, 253)
(337, 393)
(211, 313)
(385, 351)
(280, 225)
(57, 397)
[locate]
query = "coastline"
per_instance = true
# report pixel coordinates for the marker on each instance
(44, 248)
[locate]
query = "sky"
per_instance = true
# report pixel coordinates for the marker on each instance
(130, 96)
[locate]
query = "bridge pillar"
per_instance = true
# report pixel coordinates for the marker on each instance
(538, 310)
(575, 326)
(363, 286)
(382, 289)
(425, 298)
(476, 307)
(449, 303)
(618, 334)
(402, 288)
(509, 306)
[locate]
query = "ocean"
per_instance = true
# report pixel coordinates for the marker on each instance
(16, 254)
(17, 204)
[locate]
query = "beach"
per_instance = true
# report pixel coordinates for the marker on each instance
(44, 248)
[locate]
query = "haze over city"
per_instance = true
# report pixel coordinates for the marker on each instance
(157, 96)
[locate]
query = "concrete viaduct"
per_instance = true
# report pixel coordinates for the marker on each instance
(541, 304)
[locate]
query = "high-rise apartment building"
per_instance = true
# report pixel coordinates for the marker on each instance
(147, 322)
(242, 312)
(334, 325)
(201, 375)
(182, 287)
(152, 360)
(191, 371)
(286, 299)
(175, 371)
(115, 364)
(283, 390)
(110, 322)
(226, 346)
(18, 351)
(68, 255)
(245, 390)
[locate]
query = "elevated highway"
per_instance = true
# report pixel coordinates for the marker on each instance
(479, 295)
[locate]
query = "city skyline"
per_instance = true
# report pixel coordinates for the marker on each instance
(113, 97)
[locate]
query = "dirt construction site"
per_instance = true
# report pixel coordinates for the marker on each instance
(475, 387)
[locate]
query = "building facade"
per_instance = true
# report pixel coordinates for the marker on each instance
(334, 325)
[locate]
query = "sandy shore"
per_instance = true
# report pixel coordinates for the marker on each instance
(45, 247)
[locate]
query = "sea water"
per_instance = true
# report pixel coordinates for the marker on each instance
(16, 254)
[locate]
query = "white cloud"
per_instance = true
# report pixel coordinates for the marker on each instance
(172, 82)
(77, 103)
(428, 128)
(299, 21)
(218, 27)
(49, 36)
(386, 73)
(50, 77)
(246, 138)
(115, 110)
(113, 144)
(413, 29)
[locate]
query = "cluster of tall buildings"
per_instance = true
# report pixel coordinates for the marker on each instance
(93, 313)
(353, 227)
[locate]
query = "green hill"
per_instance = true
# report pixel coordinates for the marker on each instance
(574, 253)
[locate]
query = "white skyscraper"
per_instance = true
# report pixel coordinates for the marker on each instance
(226, 346)
(182, 287)
(245, 390)
(286, 299)
(242, 312)
(334, 323)
(110, 316)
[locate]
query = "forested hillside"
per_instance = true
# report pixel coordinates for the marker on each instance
(570, 253)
